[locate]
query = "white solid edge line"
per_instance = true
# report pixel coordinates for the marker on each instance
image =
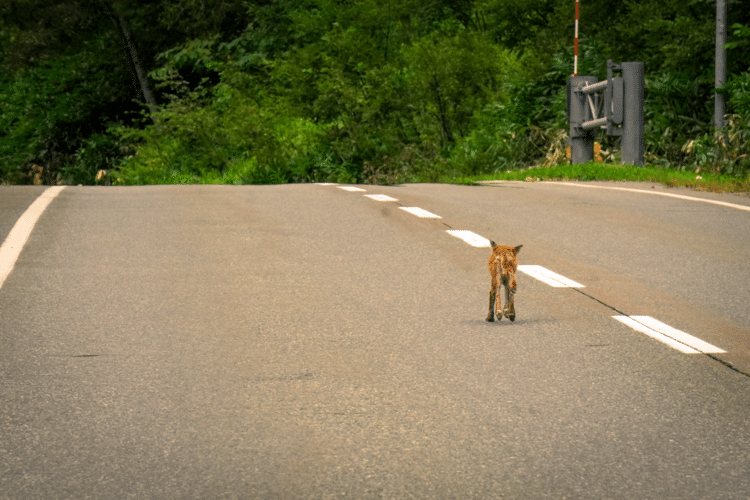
(420, 212)
(19, 235)
(678, 335)
(671, 195)
(640, 327)
(469, 237)
(549, 277)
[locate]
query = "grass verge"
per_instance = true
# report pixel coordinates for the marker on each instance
(616, 172)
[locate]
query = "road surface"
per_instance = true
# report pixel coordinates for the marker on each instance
(307, 341)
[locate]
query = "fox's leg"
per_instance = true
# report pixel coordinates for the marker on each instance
(510, 310)
(491, 314)
(494, 295)
(498, 301)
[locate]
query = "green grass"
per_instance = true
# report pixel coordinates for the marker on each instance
(617, 172)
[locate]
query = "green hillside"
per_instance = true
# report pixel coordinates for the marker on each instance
(273, 91)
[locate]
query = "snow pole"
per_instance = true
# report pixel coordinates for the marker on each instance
(575, 46)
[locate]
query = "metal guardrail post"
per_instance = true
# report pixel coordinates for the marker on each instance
(622, 101)
(633, 75)
(613, 97)
(581, 141)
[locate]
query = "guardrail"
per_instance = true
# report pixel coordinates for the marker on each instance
(614, 104)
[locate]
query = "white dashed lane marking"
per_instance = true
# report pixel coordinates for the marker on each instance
(419, 212)
(472, 239)
(14, 243)
(671, 336)
(547, 276)
(677, 339)
(380, 197)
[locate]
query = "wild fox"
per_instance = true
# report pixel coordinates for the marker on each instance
(502, 265)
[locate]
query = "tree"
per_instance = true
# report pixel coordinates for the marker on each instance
(455, 76)
(130, 48)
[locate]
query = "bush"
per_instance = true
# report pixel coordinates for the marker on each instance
(49, 110)
(454, 74)
(218, 135)
(726, 151)
(99, 152)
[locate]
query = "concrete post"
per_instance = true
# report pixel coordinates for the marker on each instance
(633, 75)
(581, 141)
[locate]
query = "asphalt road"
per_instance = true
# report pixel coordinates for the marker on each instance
(303, 341)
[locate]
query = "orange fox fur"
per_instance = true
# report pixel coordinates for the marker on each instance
(502, 265)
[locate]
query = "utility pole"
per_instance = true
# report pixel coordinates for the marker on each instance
(720, 62)
(575, 46)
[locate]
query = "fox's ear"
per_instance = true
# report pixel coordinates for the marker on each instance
(492, 244)
(517, 249)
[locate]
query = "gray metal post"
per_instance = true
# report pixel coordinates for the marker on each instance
(720, 61)
(633, 75)
(613, 96)
(581, 141)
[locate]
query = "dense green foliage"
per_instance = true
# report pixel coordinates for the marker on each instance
(348, 90)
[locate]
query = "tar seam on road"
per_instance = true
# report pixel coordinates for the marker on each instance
(19, 235)
(712, 356)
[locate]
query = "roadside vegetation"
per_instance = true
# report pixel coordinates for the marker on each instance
(355, 91)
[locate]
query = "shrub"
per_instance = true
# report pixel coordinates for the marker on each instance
(99, 152)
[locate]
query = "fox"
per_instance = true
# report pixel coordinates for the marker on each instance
(503, 264)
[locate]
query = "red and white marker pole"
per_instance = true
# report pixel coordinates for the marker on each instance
(575, 46)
